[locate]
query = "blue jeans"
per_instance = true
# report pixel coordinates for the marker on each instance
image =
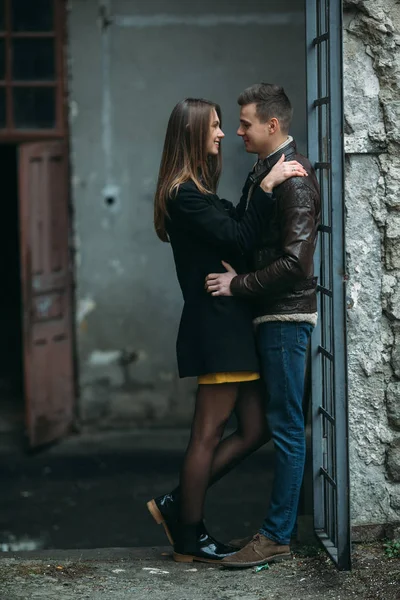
(283, 347)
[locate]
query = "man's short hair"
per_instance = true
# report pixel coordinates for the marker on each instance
(271, 101)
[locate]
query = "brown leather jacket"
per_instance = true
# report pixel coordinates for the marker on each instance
(282, 281)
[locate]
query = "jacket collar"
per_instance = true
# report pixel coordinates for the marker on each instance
(289, 150)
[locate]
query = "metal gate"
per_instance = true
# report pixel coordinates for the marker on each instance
(328, 349)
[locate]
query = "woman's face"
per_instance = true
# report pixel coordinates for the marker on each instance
(215, 134)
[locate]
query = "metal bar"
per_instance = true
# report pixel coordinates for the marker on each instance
(321, 101)
(327, 415)
(320, 38)
(325, 352)
(32, 34)
(35, 84)
(322, 165)
(30, 135)
(328, 478)
(338, 284)
(325, 228)
(324, 290)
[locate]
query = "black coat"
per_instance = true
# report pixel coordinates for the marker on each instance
(215, 333)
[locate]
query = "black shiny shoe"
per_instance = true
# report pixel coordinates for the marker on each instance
(194, 543)
(164, 511)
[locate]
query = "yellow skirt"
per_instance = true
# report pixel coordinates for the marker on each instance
(228, 377)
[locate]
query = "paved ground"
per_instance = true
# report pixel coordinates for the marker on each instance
(90, 492)
(150, 573)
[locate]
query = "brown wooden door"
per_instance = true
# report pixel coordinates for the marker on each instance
(46, 291)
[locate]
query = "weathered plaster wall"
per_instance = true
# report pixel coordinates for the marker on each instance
(372, 145)
(129, 65)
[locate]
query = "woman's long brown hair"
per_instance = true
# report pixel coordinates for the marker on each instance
(185, 156)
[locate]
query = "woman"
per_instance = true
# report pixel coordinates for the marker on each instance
(215, 340)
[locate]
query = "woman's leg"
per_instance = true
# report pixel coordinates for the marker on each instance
(252, 431)
(214, 404)
(207, 456)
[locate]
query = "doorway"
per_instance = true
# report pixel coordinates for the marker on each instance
(11, 368)
(36, 369)
(36, 372)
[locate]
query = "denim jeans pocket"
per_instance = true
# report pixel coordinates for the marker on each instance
(304, 331)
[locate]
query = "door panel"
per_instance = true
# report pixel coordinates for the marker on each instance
(46, 291)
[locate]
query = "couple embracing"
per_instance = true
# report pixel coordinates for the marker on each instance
(247, 279)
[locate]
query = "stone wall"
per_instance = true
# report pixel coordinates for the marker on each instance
(372, 145)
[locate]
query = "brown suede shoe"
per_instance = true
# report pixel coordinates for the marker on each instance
(239, 543)
(258, 551)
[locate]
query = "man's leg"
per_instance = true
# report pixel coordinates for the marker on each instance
(283, 349)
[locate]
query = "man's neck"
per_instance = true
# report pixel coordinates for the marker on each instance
(273, 148)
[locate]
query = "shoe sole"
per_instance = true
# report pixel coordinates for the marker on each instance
(188, 558)
(159, 519)
(242, 565)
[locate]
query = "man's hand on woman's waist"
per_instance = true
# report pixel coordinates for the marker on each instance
(219, 284)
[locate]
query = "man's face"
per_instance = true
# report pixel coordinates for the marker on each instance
(255, 135)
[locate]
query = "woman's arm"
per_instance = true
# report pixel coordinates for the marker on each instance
(195, 212)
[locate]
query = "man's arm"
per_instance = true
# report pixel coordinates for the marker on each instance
(297, 225)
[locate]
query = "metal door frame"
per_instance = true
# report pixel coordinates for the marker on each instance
(328, 346)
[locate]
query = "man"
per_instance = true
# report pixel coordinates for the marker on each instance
(282, 288)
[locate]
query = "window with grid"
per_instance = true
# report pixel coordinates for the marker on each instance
(31, 73)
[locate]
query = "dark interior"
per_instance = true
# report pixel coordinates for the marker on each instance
(11, 380)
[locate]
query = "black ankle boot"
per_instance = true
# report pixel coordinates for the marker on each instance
(193, 542)
(165, 511)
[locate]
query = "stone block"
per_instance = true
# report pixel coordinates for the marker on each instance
(395, 361)
(395, 500)
(393, 404)
(393, 461)
(390, 164)
(364, 534)
(365, 131)
(392, 119)
(392, 240)
(393, 305)
(393, 226)
(392, 257)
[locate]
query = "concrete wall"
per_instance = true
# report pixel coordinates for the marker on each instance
(372, 118)
(129, 65)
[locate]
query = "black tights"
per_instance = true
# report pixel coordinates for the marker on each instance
(207, 458)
